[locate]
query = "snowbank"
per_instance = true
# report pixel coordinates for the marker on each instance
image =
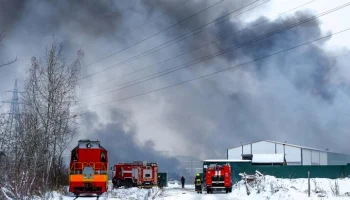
(177, 185)
(269, 187)
(130, 194)
(174, 184)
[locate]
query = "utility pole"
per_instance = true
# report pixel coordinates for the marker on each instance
(284, 153)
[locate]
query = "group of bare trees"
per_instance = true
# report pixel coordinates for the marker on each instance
(32, 148)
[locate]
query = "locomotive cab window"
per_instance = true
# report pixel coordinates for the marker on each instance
(103, 157)
(74, 155)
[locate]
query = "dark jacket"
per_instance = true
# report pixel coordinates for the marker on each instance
(198, 180)
(182, 179)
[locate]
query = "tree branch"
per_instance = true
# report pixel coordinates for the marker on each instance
(2, 35)
(8, 62)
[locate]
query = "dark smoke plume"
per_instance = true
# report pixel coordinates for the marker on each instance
(120, 139)
(299, 96)
(289, 97)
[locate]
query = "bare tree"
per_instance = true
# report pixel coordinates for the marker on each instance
(2, 35)
(47, 123)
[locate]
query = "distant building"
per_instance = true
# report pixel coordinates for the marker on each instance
(272, 152)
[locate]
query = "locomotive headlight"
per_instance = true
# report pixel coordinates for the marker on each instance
(88, 145)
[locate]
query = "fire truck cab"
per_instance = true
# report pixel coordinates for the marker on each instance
(218, 177)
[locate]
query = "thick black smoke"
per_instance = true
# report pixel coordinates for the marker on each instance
(290, 97)
(93, 18)
(120, 139)
(313, 79)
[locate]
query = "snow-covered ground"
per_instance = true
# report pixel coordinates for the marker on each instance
(174, 191)
(269, 187)
(264, 187)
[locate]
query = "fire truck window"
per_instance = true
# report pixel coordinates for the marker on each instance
(147, 175)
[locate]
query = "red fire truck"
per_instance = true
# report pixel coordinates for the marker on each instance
(218, 177)
(136, 174)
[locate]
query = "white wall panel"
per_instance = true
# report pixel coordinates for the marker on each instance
(235, 153)
(323, 158)
(247, 149)
(263, 147)
(306, 157)
(315, 159)
(293, 155)
(279, 148)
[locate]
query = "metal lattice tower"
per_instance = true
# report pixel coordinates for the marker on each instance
(13, 120)
(14, 110)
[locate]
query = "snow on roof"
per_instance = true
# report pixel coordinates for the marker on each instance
(268, 158)
(225, 160)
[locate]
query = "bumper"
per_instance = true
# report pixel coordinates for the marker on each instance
(88, 187)
(79, 185)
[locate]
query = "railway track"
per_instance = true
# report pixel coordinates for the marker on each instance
(157, 193)
(83, 197)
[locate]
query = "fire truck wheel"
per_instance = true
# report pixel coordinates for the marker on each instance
(208, 191)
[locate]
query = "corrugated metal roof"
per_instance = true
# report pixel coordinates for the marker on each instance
(293, 145)
(287, 144)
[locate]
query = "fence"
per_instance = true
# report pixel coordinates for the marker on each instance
(316, 171)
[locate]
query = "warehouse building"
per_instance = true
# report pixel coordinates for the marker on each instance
(278, 153)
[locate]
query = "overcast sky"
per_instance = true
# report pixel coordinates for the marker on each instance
(300, 96)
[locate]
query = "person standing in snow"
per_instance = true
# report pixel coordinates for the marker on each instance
(160, 185)
(182, 181)
(198, 183)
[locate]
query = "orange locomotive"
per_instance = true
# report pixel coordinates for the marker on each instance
(88, 168)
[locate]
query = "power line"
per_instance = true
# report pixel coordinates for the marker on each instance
(229, 49)
(133, 58)
(139, 26)
(148, 51)
(148, 21)
(220, 71)
(194, 49)
(149, 37)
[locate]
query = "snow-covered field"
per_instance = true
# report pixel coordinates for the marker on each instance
(265, 187)
(269, 187)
